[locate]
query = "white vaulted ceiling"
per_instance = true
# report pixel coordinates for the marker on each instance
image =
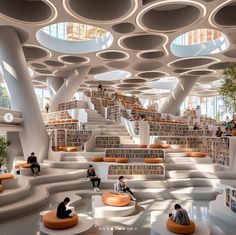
(135, 47)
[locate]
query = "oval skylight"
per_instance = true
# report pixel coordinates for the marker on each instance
(199, 42)
(74, 38)
(113, 75)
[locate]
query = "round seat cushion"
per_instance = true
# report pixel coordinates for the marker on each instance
(97, 159)
(153, 160)
(165, 146)
(179, 228)
(155, 145)
(122, 160)
(109, 159)
(196, 154)
(25, 165)
(142, 146)
(6, 176)
(115, 199)
(51, 221)
(1, 188)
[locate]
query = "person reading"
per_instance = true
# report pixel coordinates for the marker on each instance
(62, 213)
(91, 174)
(181, 215)
(121, 187)
(219, 132)
(35, 167)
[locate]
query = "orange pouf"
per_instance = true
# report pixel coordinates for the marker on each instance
(50, 220)
(25, 165)
(113, 199)
(1, 188)
(179, 228)
(109, 159)
(196, 154)
(155, 145)
(122, 160)
(6, 176)
(153, 160)
(96, 159)
(165, 146)
(142, 146)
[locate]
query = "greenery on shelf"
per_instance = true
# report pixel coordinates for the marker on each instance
(3, 150)
(228, 89)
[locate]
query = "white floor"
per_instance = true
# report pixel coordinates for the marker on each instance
(136, 224)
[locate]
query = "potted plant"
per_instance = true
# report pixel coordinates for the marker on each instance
(3, 150)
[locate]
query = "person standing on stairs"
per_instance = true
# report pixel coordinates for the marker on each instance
(91, 174)
(35, 167)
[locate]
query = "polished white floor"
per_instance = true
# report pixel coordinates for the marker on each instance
(136, 224)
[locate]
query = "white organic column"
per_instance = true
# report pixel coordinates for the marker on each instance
(177, 97)
(34, 137)
(54, 84)
(69, 87)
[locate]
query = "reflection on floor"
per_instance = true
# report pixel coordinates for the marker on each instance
(136, 224)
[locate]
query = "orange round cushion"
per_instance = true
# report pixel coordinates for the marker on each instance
(142, 146)
(179, 228)
(25, 165)
(122, 160)
(196, 154)
(113, 199)
(109, 159)
(97, 159)
(155, 145)
(1, 188)
(165, 146)
(50, 220)
(153, 160)
(6, 176)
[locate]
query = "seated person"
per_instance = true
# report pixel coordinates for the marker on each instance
(62, 213)
(196, 126)
(181, 216)
(91, 174)
(121, 187)
(35, 167)
(227, 132)
(219, 132)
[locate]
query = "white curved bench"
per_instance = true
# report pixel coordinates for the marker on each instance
(28, 172)
(10, 183)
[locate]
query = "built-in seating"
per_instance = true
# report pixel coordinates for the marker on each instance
(155, 145)
(122, 160)
(96, 159)
(51, 221)
(153, 160)
(6, 176)
(196, 154)
(116, 199)
(143, 146)
(179, 228)
(109, 159)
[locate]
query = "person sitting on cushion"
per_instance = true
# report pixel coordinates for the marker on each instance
(91, 174)
(62, 213)
(35, 167)
(120, 187)
(181, 215)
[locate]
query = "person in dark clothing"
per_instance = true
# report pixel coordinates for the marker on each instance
(35, 167)
(219, 132)
(93, 178)
(62, 213)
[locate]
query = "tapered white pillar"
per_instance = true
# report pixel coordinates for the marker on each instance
(69, 87)
(34, 137)
(54, 84)
(178, 95)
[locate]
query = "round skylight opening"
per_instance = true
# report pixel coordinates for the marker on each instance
(199, 42)
(74, 38)
(113, 75)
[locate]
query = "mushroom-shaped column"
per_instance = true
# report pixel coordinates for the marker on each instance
(14, 69)
(69, 87)
(178, 95)
(54, 84)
